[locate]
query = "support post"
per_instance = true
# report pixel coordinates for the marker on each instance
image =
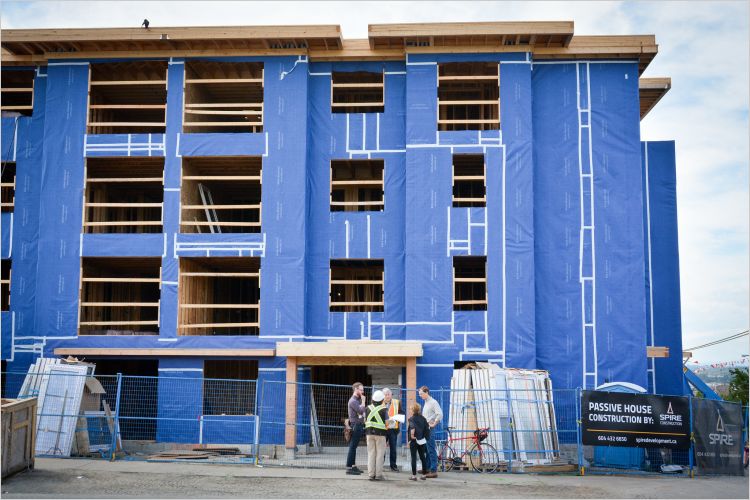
(411, 383)
(116, 423)
(290, 430)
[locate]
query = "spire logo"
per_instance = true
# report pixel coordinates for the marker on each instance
(720, 437)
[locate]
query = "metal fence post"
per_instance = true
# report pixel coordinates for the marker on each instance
(692, 436)
(259, 419)
(579, 440)
(116, 426)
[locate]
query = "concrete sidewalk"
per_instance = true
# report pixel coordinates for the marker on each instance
(81, 478)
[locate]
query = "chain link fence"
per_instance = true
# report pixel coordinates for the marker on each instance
(144, 418)
(243, 421)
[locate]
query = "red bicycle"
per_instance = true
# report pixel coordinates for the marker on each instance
(482, 456)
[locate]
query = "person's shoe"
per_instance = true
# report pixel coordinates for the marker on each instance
(372, 478)
(423, 477)
(354, 467)
(380, 478)
(422, 471)
(394, 468)
(353, 471)
(431, 475)
(413, 478)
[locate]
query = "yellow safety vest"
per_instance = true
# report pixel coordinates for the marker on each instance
(392, 412)
(373, 418)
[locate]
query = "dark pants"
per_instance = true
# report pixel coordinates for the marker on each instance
(357, 431)
(392, 439)
(422, 450)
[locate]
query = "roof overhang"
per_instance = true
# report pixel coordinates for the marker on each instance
(651, 90)
(153, 42)
(445, 35)
(642, 48)
(546, 40)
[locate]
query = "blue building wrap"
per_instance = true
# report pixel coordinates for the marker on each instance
(663, 313)
(589, 225)
(578, 282)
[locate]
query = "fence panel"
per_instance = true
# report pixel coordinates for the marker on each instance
(150, 418)
(527, 430)
(184, 418)
(534, 431)
(318, 425)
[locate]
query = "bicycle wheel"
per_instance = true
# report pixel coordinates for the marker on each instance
(484, 458)
(446, 458)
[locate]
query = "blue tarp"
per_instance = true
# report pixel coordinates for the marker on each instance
(563, 227)
(664, 325)
(590, 321)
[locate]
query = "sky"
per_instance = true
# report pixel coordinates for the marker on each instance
(703, 47)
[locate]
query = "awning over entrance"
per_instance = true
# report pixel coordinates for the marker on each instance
(344, 353)
(350, 352)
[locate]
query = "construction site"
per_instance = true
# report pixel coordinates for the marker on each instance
(210, 233)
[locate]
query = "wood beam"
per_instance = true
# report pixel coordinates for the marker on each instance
(411, 383)
(413, 30)
(86, 351)
(350, 349)
(657, 352)
(290, 429)
(353, 361)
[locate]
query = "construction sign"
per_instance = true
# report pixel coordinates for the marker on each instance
(635, 420)
(718, 436)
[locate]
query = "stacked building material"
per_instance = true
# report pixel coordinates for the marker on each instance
(516, 405)
(70, 400)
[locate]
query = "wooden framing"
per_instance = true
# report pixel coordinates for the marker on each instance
(350, 349)
(469, 180)
(650, 91)
(357, 185)
(657, 352)
(356, 285)
(469, 283)
(219, 296)
(468, 96)
(8, 186)
(5, 285)
(17, 91)
(223, 97)
(221, 194)
(119, 296)
(545, 40)
(434, 35)
(127, 97)
(123, 195)
(343, 353)
(357, 92)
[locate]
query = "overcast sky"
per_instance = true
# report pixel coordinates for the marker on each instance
(703, 46)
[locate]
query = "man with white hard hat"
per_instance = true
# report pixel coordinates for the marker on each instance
(375, 428)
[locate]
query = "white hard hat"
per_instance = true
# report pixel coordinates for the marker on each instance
(378, 396)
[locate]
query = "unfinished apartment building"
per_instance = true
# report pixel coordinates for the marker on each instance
(279, 203)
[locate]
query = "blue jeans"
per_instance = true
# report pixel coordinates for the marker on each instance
(432, 451)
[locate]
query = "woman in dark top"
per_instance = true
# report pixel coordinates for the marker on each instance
(418, 432)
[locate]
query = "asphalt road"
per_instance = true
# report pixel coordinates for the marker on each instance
(74, 478)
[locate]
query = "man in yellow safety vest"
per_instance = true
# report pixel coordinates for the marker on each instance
(375, 429)
(392, 437)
